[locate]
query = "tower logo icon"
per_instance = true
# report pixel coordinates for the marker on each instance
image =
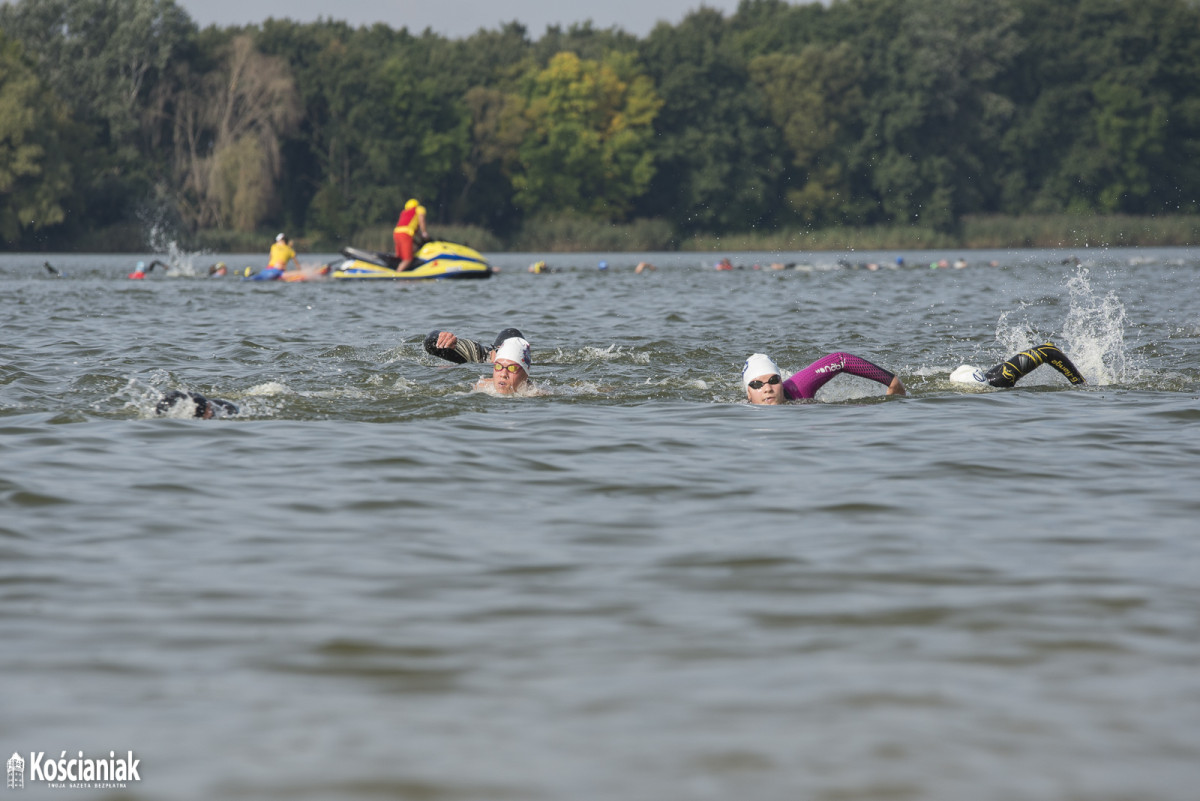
(16, 772)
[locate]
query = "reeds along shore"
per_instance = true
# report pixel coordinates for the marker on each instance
(990, 232)
(572, 234)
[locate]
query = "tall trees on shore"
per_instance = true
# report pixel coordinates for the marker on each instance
(229, 126)
(718, 156)
(856, 112)
(35, 174)
(588, 124)
(111, 64)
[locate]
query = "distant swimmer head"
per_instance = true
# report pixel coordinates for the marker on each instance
(603, 265)
(173, 399)
(202, 406)
(758, 365)
(411, 204)
(968, 374)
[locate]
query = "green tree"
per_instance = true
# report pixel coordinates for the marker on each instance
(718, 157)
(335, 69)
(768, 27)
(380, 126)
(35, 173)
(228, 135)
(429, 140)
(584, 40)
(815, 99)
(1113, 120)
(587, 146)
(932, 118)
(107, 61)
(498, 127)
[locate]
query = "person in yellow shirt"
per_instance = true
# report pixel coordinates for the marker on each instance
(411, 219)
(281, 254)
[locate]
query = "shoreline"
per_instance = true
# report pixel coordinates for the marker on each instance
(990, 232)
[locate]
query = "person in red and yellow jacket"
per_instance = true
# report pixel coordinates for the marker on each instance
(411, 219)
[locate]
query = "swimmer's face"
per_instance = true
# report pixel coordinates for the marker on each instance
(506, 380)
(767, 394)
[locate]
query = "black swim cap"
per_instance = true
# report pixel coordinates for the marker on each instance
(168, 400)
(174, 396)
(507, 333)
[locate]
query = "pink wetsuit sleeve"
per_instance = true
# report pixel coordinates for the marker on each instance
(805, 383)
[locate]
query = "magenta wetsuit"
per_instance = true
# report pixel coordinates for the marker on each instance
(805, 383)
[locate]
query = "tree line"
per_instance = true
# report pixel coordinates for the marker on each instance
(114, 113)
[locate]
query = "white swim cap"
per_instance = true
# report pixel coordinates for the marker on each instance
(968, 374)
(516, 350)
(278, 237)
(756, 365)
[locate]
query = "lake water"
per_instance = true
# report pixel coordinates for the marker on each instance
(377, 583)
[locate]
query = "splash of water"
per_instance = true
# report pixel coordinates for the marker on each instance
(160, 239)
(1094, 333)
(1016, 335)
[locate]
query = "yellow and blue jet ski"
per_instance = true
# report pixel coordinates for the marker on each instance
(433, 260)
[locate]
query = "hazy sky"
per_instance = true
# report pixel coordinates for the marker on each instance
(455, 18)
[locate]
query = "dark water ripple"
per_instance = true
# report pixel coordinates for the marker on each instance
(377, 583)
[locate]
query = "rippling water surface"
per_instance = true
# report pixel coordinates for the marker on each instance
(377, 583)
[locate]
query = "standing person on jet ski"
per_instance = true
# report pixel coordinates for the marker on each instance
(411, 219)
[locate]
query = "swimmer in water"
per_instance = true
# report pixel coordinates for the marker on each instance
(765, 385)
(510, 368)
(141, 270)
(203, 407)
(1007, 374)
(452, 348)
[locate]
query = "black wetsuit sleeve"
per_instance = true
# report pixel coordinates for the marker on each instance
(1010, 372)
(464, 351)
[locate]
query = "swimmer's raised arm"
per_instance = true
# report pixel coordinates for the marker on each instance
(452, 348)
(805, 383)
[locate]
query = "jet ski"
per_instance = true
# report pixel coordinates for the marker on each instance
(433, 260)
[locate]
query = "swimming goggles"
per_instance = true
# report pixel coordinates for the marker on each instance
(759, 384)
(512, 368)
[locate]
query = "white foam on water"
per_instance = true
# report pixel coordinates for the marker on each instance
(180, 263)
(611, 353)
(268, 389)
(1094, 333)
